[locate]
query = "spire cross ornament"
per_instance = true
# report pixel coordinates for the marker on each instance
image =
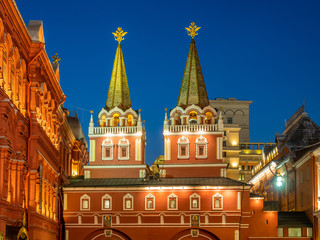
(119, 35)
(192, 30)
(56, 59)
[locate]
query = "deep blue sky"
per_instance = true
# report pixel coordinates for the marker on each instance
(264, 51)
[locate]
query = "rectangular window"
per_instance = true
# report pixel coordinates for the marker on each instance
(108, 152)
(106, 204)
(183, 151)
(172, 203)
(217, 202)
(294, 232)
(195, 203)
(142, 173)
(85, 203)
(128, 203)
(201, 150)
(150, 203)
(229, 120)
(224, 154)
(224, 143)
(309, 232)
(280, 232)
(123, 152)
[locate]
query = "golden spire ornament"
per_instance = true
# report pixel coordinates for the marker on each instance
(119, 35)
(192, 30)
(56, 59)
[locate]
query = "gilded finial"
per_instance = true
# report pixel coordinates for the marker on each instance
(192, 30)
(119, 34)
(56, 59)
(91, 111)
(166, 109)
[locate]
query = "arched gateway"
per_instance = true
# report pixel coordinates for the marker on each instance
(101, 234)
(192, 234)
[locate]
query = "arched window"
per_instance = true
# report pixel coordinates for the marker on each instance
(106, 202)
(149, 202)
(193, 119)
(217, 201)
(128, 202)
(130, 120)
(123, 146)
(85, 202)
(172, 202)
(201, 147)
(183, 148)
(103, 122)
(195, 202)
(107, 149)
(115, 120)
(208, 118)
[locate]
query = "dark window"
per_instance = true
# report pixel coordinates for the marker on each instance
(229, 120)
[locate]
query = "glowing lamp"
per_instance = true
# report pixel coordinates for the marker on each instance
(234, 164)
(234, 143)
(279, 181)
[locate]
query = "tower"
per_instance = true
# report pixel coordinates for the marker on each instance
(118, 142)
(193, 133)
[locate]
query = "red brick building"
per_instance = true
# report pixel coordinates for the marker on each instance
(186, 196)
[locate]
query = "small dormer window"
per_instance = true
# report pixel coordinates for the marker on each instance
(130, 120)
(193, 119)
(115, 120)
(208, 118)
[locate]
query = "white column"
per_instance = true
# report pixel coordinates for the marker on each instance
(239, 200)
(92, 150)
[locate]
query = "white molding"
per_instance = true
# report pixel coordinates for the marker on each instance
(205, 144)
(116, 166)
(127, 145)
(194, 165)
(186, 144)
(107, 145)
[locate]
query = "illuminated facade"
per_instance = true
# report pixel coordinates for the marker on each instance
(38, 147)
(186, 195)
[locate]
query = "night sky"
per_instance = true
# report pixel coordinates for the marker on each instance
(264, 51)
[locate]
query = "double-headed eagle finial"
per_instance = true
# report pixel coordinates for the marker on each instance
(192, 30)
(119, 34)
(56, 59)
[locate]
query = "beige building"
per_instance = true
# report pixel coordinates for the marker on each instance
(241, 155)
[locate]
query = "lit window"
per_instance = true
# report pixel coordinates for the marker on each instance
(106, 202)
(85, 202)
(217, 201)
(128, 202)
(123, 149)
(201, 147)
(142, 173)
(194, 202)
(115, 120)
(172, 202)
(107, 149)
(183, 148)
(130, 120)
(149, 202)
(163, 172)
(208, 118)
(193, 117)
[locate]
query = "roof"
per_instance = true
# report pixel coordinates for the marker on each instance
(271, 206)
(76, 128)
(193, 89)
(118, 94)
(138, 182)
(254, 195)
(293, 219)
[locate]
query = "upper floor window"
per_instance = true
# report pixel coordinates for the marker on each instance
(193, 119)
(85, 202)
(183, 148)
(172, 202)
(208, 118)
(106, 202)
(107, 149)
(128, 202)
(130, 120)
(229, 120)
(149, 202)
(123, 146)
(115, 120)
(194, 202)
(217, 201)
(201, 147)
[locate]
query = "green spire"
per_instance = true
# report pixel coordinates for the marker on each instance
(118, 95)
(193, 90)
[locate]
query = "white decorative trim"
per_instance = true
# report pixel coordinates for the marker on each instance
(192, 197)
(214, 197)
(107, 143)
(106, 197)
(171, 196)
(116, 166)
(124, 143)
(125, 197)
(148, 197)
(84, 197)
(201, 141)
(183, 142)
(194, 165)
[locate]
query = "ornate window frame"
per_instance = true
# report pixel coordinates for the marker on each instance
(183, 142)
(202, 142)
(216, 197)
(106, 197)
(147, 200)
(193, 197)
(172, 197)
(121, 144)
(127, 197)
(107, 143)
(83, 199)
